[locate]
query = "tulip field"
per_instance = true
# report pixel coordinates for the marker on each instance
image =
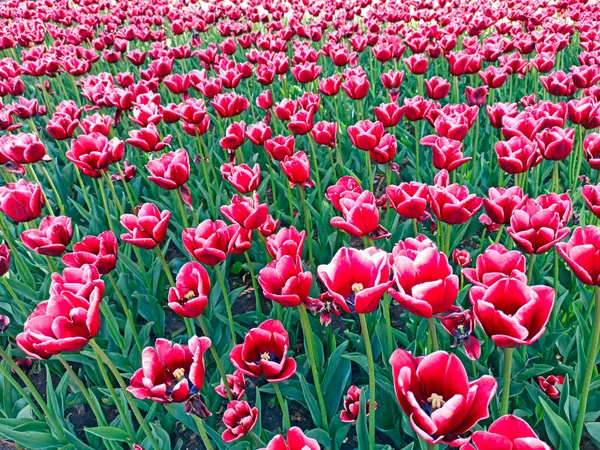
(299, 224)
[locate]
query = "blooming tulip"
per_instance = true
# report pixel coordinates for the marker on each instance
(52, 236)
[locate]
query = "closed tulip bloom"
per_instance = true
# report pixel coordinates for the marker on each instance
(389, 114)
(392, 79)
(24, 148)
(582, 254)
(446, 153)
(435, 392)
(148, 139)
(100, 251)
(61, 127)
(360, 217)
(507, 433)
(437, 88)
(4, 259)
(296, 440)
(416, 108)
(453, 204)
(408, 199)
(269, 226)
(493, 77)
(239, 418)
(325, 133)
(264, 352)
(559, 203)
(451, 127)
(559, 83)
(501, 202)
(591, 147)
(258, 133)
(170, 373)
(93, 153)
(498, 111)
(330, 86)
(425, 281)
(64, 323)
(209, 243)
(297, 169)
(346, 186)
(306, 72)
(365, 135)
(284, 281)
(247, 212)
(21, 201)
(148, 228)
(230, 104)
(352, 405)
(536, 229)
(235, 135)
(511, 313)
(357, 87)
(476, 96)
(591, 196)
(357, 279)
(417, 64)
(496, 263)
(280, 147)
(548, 385)
(243, 178)
(287, 241)
(584, 111)
(301, 122)
(555, 143)
(461, 258)
(52, 236)
(171, 170)
(189, 297)
(386, 150)
(517, 155)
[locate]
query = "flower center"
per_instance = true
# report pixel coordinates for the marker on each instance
(357, 287)
(265, 356)
(437, 401)
(190, 295)
(179, 374)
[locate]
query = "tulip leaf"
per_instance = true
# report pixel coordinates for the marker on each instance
(362, 432)
(562, 428)
(110, 433)
(336, 376)
(31, 439)
(311, 401)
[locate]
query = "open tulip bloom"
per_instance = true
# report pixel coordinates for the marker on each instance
(300, 225)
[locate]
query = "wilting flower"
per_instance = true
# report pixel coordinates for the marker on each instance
(100, 251)
(512, 313)
(436, 394)
(148, 228)
(352, 405)
(495, 263)
(264, 352)
(326, 306)
(247, 212)
(21, 201)
(189, 296)
(460, 324)
(237, 385)
(171, 170)
(284, 281)
(239, 418)
(357, 279)
(548, 385)
(170, 372)
(4, 259)
(52, 236)
(507, 432)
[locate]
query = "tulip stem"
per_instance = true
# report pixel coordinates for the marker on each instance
(165, 265)
(508, 359)
(53, 187)
(202, 432)
(217, 359)
(313, 363)
(37, 181)
(433, 334)
(530, 268)
(227, 304)
(259, 316)
(371, 368)
(499, 233)
(313, 151)
(134, 409)
(432, 446)
(284, 409)
(415, 227)
(11, 379)
(181, 207)
(417, 159)
(307, 227)
(388, 322)
(589, 370)
(100, 190)
(258, 441)
(128, 315)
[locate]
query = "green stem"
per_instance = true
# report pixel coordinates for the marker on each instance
(284, 410)
(589, 369)
(9, 377)
(125, 308)
(499, 233)
(307, 227)
(415, 227)
(417, 159)
(371, 369)
(202, 432)
(217, 359)
(530, 268)
(165, 265)
(53, 187)
(181, 207)
(227, 304)
(508, 357)
(433, 334)
(313, 363)
(134, 409)
(259, 316)
(37, 181)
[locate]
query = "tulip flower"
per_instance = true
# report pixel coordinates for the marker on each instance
(269, 226)
(360, 217)
(280, 147)
(235, 135)
(100, 251)
(325, 133)
(264, 352)
(297, 170)
(296, 440)
(24, 148)
(555, 143)
(237, 386)
(461, 258)
(239, 418)
(51, 238)
(591, 147)
(507, 432)
(437, 88)
(365, 135)
(447, 153)
(247, 212)
(170, 372)
(453, 204)
(243, 178)
(148, 139)
(517, 155)
(93, 153)
(548, 385)
(21, 201)
(4, 259)
(210, 242)
(346, 187)
(287, 241)
(357, 279)
(352, 405)
(501, 202)
(582, 254)
(460, 324)
(389, 114)
(435, 393)
(559, 203)
(591, 196)
(148, 228)
(496, 263)
(171, 170)
(284, 281)
(189, 297)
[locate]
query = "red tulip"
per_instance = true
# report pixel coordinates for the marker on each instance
(501, 202)
(517, 155)
(210, 242)
(493, 77)
(269, 226)
(287, 241)
(171, 170)
(536, 229)
(93, 153)
(496, 263)
(237, 386)
(584, 111)
(357, 279)
(408, 199)
(416, 108)
(306, 72)
(170, 372)
(235, 135)
(461, 325)
(386, 150)
(352, 405)
(559, 203)
(264, 352)
(461, 258)
(148, 139)
(100, 251)
(510, 312)
(437, 88)
(389, 114)
(548, 385)
(284, 281)
(365, 135)
(360, 217)
(498, 111)
(417, 63)
(591, 146)
(346, 186)
(325, 133)
(21, 201)
(446, 152)
(582, 254)
(258, 133)
(392, 79)
(556, 143)
(189, 297)
(296, 440)
(148, 228)
(559, 83)
(247, 212)
(297, 169)
(280, 147)
(24, 148)
(476, 96)
(426, 284)
(507, 433)
(357, 87)
(330, 86)
(238, 419)
(435, 393)
(243, 178)
(61, 127)
(453, 204)
(4, 259)
(51, 238)
(591, 196)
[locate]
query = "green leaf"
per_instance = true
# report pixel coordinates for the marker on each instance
(336, 376)
(110, 433)
(311, 402)
(31, 439)
(563, 429)
(362, 433)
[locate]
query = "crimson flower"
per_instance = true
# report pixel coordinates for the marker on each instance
(148, 228)
(360, 217)
(408, 199)
(296, 440)
(352, 405)
(100, 251)
(239, 418)
(453, 204)
(237, 385)
(211, 241)
(189, 297)
(243, 178)
(460, 324)
(171, 170)
(582, 254)
(247, 212)
(51, 238)
(548, 385)
(507, 433)
(21, 201)
(495, 263)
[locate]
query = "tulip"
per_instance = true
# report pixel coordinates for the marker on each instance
(264, 352)
(435, 393)
(171, 170)
(100, 251)
(287, 241)
(4, 259)
(548, 385)
(461, 325)
(296, 440)
(425, 281)
(269, 226)
(416, 108)
(297, 169)
(591, 147)
(230, 104)
(258, 133)
(493, 77)
(280, 147)
(517, 155)
(496, 263)
(21, 201)
(24, 148)
(461, 258)
(210, 242)
(243, 178)
(453, 204)
(392, 79)
(148, 228)
(508, 432)
(357, 87)
(417, 64)
(476, 96)
(284, 281)
(408, 199)
(361, 217)
(51, 238)
(437, 88)
(591, 196)
(555, 143)
(501, 202)
(385, 151)
(93, 153)
(582, 254)
(446, 152)
(235, 135)
(237, 386)
(170, 372)
(239, 419)
(247, 212)
(559, 83)
(357, 279)
(302, 122)
(325, 133)
(559, 203)
(330, 86)
(352, 405)
(389, 114)
(189, 297)
(346, 186)
(148, 139)
(498, 111)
